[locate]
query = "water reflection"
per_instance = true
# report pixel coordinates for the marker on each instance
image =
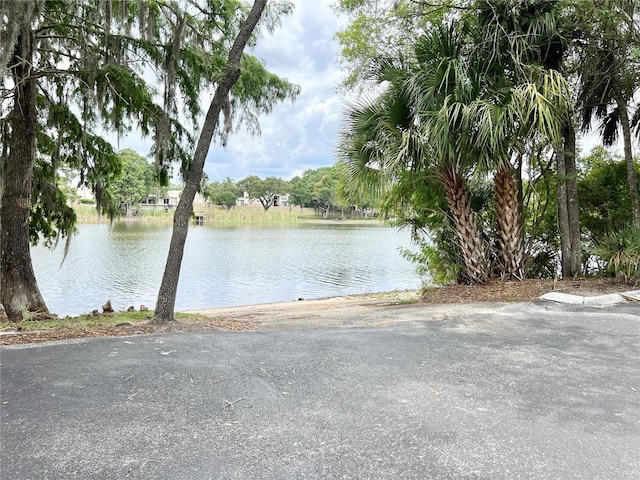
(222, 266)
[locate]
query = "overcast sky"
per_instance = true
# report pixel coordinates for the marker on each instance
(295, 136)
(300, 135)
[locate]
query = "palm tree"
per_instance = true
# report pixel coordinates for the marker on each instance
(451, 114)
(520, 49)
(498, 109)
(416, 126)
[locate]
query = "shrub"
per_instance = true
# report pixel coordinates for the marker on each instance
(621, 252)
(432, 264)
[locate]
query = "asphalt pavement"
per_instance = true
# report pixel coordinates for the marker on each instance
(523, 391)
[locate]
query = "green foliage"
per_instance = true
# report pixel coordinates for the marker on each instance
(542, 241)
(541, 232)
(432, 263)
(266, 191)
(452, 111)
(607, 69)
(605, 212)
(224, 194)
(249, 214)
(417, 201)
(383, 29)
(621, 253)
(608, 77)
(320, 189)
(50, 212)
(301, 191)
(603, 195)
(325, 188)
(472, 91)
(135, 182)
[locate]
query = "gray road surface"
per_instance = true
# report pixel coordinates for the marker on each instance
(529, 391)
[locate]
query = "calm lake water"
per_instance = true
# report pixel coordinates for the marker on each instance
(222, 266)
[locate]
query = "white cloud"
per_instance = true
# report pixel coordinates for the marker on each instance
(295, 136)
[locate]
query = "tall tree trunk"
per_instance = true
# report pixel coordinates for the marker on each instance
(509, 225)
(165, 304)
(567, 191)
(19, 289)
(632, 179)
(575, 257)
(563, 212)
(472, 246)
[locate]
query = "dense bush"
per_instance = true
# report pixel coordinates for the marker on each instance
(621, 253)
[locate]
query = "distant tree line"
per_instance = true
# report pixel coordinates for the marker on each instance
(321, 189)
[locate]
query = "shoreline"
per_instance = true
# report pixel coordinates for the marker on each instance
(168, 220)
(367, 310)
(359, 310)
(238, 215)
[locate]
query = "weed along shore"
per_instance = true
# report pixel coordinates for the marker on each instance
(211, 214)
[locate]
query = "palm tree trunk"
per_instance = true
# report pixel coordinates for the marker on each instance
(632, 179)
(472, 246)
(509, 226)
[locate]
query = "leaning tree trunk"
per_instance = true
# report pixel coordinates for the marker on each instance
(509, 225)
(165, 304)
(632, 179)
(472, 246)
(19, 290)
(568, 219)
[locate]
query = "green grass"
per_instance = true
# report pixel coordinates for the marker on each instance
(34, 322)
(217, 215)
(249, 215)
(399, 297)
(81, 322)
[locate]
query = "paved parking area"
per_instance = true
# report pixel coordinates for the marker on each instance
(530, 391)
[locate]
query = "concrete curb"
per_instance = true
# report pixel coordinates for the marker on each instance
(597, 301)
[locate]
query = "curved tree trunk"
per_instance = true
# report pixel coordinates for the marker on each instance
(509, 225)
(19, 290)
(165, 304)
(472, 246)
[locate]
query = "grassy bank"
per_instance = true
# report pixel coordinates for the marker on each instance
(212, 215)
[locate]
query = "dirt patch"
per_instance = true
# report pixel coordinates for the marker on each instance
(527, 291)
(199, 324)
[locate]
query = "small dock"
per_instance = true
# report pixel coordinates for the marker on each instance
(200, 217)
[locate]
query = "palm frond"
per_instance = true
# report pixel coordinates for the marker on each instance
(609, 127)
